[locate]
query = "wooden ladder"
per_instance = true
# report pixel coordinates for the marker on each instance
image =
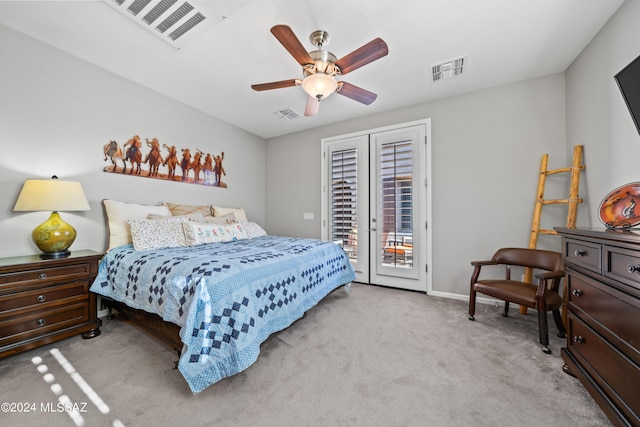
(572, 201)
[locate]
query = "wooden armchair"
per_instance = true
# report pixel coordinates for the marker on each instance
(543, 296)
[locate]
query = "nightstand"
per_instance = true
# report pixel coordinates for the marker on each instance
(42, 301)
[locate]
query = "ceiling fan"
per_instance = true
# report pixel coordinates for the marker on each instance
(321, 67)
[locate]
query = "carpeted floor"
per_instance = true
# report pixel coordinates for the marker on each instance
(379, 357)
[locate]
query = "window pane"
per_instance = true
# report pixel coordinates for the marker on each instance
(396, 203)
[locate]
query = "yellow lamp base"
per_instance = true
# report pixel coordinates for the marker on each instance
(53, 237)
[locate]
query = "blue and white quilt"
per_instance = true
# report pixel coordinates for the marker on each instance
(227, 297)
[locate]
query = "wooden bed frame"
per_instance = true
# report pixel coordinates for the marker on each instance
(168, 333)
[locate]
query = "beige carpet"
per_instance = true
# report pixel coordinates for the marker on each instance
(379, 357)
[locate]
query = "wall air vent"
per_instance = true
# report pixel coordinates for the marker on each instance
(449, 69)
(177, 21)
(286, 114)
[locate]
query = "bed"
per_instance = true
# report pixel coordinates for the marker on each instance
(221, 298)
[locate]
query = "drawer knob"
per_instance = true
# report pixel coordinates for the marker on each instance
(42, 298)
(42, 276)
(576, 292)
(633, 268)
(578, 339)
(580, 252)
(41, 322)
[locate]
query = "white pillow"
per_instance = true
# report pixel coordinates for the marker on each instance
(253, 230)
(180, 209)
(157, 234)
(117, 214)
(200, 234)
(240, 214)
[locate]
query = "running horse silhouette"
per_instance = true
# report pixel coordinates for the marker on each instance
(113, 151)
(171, 161)
(154, 158)
(133, 154)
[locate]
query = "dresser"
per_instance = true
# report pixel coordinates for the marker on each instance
(42, 301)
(603, 317)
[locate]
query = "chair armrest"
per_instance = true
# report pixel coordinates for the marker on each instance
(481, 263)
(558, 274)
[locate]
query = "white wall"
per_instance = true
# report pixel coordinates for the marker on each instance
(486, 149)
(57, 112)
(596, 113)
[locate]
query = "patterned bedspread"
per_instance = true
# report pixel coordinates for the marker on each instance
(227, 297)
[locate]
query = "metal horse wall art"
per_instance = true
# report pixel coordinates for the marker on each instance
(195, 168)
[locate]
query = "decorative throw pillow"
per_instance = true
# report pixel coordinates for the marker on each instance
(117, 214)
(157, 234)
(240, 214)
(253, 230)
(202, 233)
(180, 209)
(196, 217)
(236, 232)
(229, 218)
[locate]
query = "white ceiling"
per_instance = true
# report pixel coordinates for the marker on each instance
(504, 41)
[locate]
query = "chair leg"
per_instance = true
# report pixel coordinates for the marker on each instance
(557, 317)
(544, 331)
(505, 313)
(472, 303)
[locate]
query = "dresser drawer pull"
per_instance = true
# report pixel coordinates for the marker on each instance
(41, 322)
(633, 268)
(578, 339)
(580, 252)
(42, 298)
(576, 292)
(42, 276)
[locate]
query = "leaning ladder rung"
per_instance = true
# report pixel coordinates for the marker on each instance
(554, 232)
(563, 170)
(559, 201)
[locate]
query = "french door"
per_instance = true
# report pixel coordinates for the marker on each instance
(375, 203)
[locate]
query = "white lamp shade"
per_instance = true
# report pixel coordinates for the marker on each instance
(51, 195)
(319, 85)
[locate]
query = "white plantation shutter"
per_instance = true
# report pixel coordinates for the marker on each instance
(344, 191)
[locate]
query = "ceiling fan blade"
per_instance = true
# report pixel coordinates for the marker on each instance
(356, 93)
(288, 39)
(276, 85)
(371, 51)
(313, 105)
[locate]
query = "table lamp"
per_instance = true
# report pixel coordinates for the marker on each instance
(54, 236)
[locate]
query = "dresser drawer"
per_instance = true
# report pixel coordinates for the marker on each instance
(43, 297)
(610, 368)
(616, 314)
(36, 323)
(584, 254)
(36, 277)
(622, 265)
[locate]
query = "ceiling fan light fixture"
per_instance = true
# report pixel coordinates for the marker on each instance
(319, 85)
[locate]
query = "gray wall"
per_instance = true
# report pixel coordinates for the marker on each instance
(57, 112)
(486, 152)
(596, 113)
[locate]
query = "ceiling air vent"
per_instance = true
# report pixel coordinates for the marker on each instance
(176, 21)
(448, 69)
(286, 114)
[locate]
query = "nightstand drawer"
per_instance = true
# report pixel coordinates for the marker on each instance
(616, 375)
(22, 327)
(622, 265)
(44, 297)
(584, 254)
(590, 299)
(35, 277)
